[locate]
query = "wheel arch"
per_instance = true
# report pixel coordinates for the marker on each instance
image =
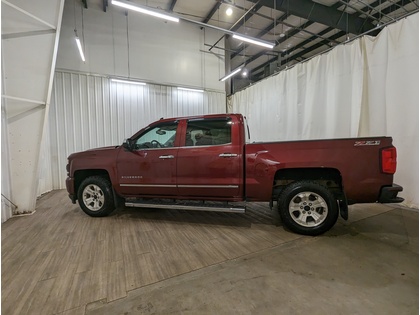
(329, 177)
(80, 175)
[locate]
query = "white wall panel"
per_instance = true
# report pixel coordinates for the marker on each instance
(91, 111)
(140, 46)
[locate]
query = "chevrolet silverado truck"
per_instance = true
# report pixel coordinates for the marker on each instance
(205, 163)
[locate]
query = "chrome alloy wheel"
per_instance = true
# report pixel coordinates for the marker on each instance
(308, 209)
(93, 197)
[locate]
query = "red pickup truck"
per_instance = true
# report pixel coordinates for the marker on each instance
(204, 163)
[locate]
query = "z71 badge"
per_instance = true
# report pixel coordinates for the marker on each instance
(367, 142)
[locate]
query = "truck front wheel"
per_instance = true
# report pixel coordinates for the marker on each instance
(307, 208)
(95, 196)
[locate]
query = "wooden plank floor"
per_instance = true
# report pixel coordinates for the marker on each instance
(59, 260)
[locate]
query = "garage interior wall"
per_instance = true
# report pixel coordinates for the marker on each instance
(88, 110)
(138, 46)
(368, 87)
(92, 111)
(30, 33)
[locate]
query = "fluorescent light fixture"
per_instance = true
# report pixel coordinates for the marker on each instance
(237, 70)
(192, 90)
(254, 41)
(145, 11)
(79, 45)
(128, 82)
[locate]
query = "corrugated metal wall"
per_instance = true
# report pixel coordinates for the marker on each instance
(91, 111)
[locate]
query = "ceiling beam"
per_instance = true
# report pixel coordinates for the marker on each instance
(388, 9)
(247, 16)
(325, 42)
(289, 34)
(172, 6)
(213, 11)
(307, 9)
(262, 33)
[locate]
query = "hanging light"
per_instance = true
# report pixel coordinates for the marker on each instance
(79, 46)
(140, 9)
(254, 41)
(237, 70)
(189, 89)
(127, 82)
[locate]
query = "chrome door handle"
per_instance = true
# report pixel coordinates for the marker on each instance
(228, 155)
(165, 157)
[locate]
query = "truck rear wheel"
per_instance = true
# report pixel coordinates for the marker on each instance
(95, 196)
(307, 208)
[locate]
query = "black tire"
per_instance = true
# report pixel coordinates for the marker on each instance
(95, 196)
(307, 208)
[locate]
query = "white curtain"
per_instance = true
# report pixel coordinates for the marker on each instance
(366, 88)
(91, 111)
(391, 97)
(307, 102)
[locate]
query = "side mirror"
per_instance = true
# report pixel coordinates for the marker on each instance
(128, 144)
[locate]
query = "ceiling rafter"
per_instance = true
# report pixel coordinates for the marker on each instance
(288, 53)
(257, 72)
(172, 5)
(310, 27)
(247, 16)
(293, 32)
(290, 33)
(212, 11)
(262, 33)
(329, 16)
(104, 5)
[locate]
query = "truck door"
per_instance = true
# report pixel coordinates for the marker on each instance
(150, 167)
(210, 160)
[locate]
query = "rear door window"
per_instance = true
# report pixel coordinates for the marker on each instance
(208, 132)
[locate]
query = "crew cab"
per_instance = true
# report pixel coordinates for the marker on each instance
(205, 163)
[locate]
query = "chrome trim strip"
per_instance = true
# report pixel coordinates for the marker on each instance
(142, 185)
(182, 207)
(181, 186)
(208, 186)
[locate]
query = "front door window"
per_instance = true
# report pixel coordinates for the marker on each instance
(158, 137)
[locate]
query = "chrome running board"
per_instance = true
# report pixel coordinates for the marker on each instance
(213, 208)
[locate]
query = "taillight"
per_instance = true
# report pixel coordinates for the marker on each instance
(389, 160)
